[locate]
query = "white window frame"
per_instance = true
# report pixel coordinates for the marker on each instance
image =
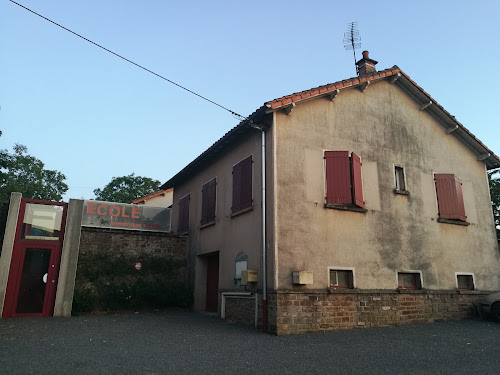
(396, 182)
(342, 269)
(410, 271)
(465, 274)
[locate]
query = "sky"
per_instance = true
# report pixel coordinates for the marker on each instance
(93, 116)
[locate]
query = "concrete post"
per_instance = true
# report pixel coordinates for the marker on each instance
(69, 259)
(8, 244)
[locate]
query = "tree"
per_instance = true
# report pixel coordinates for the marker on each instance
(3, 159)
(127, 188)
(4, 156)
(23, 173)
(495, 198)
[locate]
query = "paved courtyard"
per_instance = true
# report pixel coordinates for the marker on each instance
(190, 343)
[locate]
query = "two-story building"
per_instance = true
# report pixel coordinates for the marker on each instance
(360, 203)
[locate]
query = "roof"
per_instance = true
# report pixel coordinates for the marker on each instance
(152, 195)
(394, 75)
(330, 88)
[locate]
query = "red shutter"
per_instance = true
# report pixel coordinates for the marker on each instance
(357, 184)
(460, 200)
(338, 177)
(236, 188)
(450, 197)
(204, 204)
(208, 202)
(242, 185)
(246, 183)
(211, 196)
(183, 222)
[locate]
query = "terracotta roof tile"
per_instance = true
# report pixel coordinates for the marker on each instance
(152, 195)
(287, 99)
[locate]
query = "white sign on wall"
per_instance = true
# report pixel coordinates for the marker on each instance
(100, 214)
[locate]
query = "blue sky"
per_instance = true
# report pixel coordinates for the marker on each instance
(92, 116)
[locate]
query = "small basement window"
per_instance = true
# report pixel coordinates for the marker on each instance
(465, 282)
(341, 279)
(409, 280)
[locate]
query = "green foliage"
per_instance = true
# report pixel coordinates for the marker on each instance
(3, 158)
(83, 301)
(110, 282)
(495, 197)
(127, 188)
(23, 173)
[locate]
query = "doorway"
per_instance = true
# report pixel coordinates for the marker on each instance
(34, 267)
(212, 293)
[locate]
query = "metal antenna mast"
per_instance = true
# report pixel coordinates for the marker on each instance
(352, 40)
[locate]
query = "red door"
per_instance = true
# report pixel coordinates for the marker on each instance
(212, 282)
(34, 267)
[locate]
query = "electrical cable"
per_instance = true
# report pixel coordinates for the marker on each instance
(133, 63)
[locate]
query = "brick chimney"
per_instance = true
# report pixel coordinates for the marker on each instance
(366, 65)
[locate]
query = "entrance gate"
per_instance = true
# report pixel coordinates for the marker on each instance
(34, 268)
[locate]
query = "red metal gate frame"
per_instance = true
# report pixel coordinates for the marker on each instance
(17, 262)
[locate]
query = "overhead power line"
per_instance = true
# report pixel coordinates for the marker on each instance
(133, 63)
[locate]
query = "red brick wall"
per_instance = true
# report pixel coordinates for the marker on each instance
(325, 311)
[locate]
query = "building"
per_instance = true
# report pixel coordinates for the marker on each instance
(160, 198)
(356, 204)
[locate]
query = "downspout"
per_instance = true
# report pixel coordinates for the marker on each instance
(263, 220)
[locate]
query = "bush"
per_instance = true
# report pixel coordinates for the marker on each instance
(110, 283)
(83, 301)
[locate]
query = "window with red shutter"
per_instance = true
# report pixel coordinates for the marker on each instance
(450, 198)
(343, 179)
(338, 177)
(242, 185)
(208, 202)
(183, 221)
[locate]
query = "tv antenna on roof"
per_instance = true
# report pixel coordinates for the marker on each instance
(352, 40)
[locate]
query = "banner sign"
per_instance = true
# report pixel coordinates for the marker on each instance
(125, 216)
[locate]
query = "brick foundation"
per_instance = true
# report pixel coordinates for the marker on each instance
(294, 312)
(291, 312)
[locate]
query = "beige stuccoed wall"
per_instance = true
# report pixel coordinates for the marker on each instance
(383, 126)
(229, 235)
(164, 200)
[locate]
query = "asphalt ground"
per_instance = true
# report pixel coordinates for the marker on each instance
(191, 343)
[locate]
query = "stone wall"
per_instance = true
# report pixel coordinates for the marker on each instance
(298, 312)
(239, 310)
(115, 241)
(130, 270)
